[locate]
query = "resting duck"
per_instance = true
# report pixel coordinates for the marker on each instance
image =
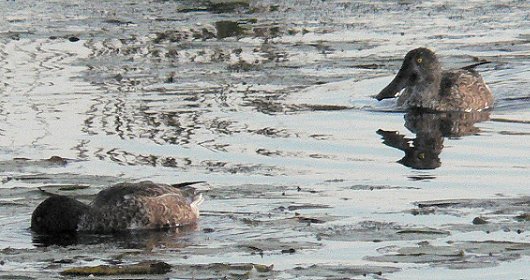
(122, 207)
(431, 88)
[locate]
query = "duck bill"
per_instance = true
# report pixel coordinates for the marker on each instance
(392, 90)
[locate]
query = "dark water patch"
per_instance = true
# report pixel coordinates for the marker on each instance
(65, 187)
(255, 169)
(311, 107)
(377, 232)
(367, 66)
(15, 35)
(244, 66)
(215, 6)
(422, 177)
(250, 191)
(19, 164)
(273, 132)
(16, 277)
(176, 36)
(143, 268)
(493, 225)
(525, 217)
(6, 202)
(63, 179)
(510, 121)
(421, 231)
(496, 215)
(459, 255)
(150, 92)
(495, 204)
(307, 206)
(118, 21)
(379, 188)
(330, 271)
(275, 246)
(228, 29)
(508, 105)
(511, 46)
(226, 270)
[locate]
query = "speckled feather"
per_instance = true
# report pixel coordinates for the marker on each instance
(143, 205)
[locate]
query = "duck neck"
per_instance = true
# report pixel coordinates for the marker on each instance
(433, 81)
(429, 88)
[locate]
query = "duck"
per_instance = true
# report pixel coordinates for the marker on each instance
(428, 87)
(121, 207)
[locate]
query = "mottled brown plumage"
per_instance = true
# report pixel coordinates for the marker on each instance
(130, 206)
(428, 87)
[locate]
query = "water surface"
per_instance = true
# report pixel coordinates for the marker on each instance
(271, 103)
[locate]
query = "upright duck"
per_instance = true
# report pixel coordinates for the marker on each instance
(428, 87)
(122, 207)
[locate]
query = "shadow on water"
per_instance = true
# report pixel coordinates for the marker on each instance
(218, 7)
(423, 151)
(139, 239)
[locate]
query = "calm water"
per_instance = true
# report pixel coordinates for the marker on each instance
(270, 103)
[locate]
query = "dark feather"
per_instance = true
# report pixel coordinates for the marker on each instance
(473, 66)
(185, 184)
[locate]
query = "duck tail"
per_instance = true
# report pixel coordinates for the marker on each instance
(185, 184)
(472, 66)
(198, 199)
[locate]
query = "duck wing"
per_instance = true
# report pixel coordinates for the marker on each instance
(465, 89)
(143, 205)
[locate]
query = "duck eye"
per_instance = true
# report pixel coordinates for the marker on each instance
(419, 60)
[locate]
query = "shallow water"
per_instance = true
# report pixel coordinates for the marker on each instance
(271, 103)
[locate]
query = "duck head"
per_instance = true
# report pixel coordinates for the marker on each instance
(420, 67)
(58, 214)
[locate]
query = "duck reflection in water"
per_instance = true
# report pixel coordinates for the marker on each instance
(423, 152)
(171, 238)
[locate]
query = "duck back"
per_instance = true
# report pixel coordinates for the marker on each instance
(143, 205)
